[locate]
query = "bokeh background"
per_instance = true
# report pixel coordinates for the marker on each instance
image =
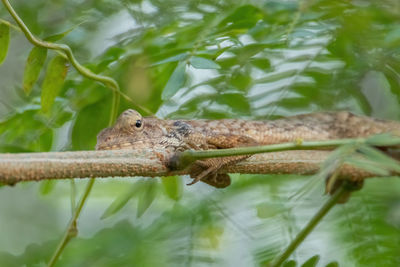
(201, 59)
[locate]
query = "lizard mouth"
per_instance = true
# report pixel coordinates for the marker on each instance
(128, 144)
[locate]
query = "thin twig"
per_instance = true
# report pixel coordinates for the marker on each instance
(309, 227)
(189, 156)
(71, 230)
(10, 24)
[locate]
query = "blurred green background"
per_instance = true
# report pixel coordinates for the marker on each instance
(201, 59)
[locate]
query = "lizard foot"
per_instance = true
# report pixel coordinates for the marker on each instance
(220, 180)
(197, 172)
(206, 171)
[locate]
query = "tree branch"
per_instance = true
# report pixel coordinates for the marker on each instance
(21, 167)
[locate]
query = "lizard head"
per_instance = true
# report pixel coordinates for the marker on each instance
(131, 130)
(130, 121)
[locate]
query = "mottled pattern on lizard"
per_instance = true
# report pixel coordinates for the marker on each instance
(132, 131)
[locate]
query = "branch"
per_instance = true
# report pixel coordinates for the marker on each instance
(21, 167)
(328, 205)
(187, 157)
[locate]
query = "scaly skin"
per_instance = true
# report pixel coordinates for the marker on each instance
(132, 131)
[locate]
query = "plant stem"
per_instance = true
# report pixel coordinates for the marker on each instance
(71, 228)
(297, 145)
(11, 25)
(107, 81)
(189, 156)
(309, 227)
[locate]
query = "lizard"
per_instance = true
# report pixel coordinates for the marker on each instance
(132, 131)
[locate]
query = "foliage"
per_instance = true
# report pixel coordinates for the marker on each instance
(192, 59)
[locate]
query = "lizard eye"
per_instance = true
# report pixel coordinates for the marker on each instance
(138, 124)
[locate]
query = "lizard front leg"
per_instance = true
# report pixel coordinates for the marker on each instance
(207, 170)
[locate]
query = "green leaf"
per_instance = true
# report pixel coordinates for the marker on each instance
(244, 17)
(380, 158)
(311, 262)
(178, 57)
(333, 264)
(53, 82)
(261, 63)
(33, 66)
(175, 82)
(147, 197)
(145, 191)
(89, 121)
(173, 187)
(4, 41)
(59, 36)
(122, 199)
(290, 263)
(245, 54)
(47, 186)
(203, 63)
(24, 131)
(60, 118)
(367, 165)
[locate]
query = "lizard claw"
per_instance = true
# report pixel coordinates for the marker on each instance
(207, 172)
(197, 177)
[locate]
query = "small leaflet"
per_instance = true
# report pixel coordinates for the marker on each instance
(53, 82)
(33, 66)
(4, 41)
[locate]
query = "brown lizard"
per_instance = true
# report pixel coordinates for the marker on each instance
(132, 131)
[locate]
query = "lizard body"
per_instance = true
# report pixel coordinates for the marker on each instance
(132, 131)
